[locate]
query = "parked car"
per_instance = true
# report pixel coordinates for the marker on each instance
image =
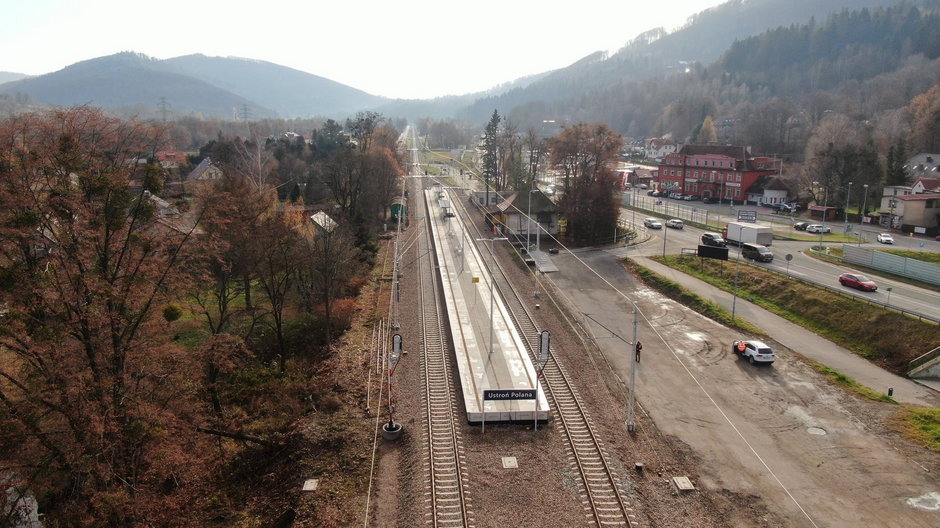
(652, 223)
(817, 228)
(855, 280)
(713, 239)
(782, 208)
(754, 351)
(801, 226)
(885, 238)
(674, 223)
(652, 192)
(688, 197)
(710, 199)
(757, 252)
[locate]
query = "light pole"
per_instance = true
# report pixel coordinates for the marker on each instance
(861, 217)
(664, 239)
(845, 214)
(492, 274)
(528, 223)
(633, 223)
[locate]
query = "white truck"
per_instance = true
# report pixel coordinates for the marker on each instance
(745, 233)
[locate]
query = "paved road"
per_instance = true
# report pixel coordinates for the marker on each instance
(781, 433)
(906, 297)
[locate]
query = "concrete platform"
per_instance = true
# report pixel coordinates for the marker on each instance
(491, 355)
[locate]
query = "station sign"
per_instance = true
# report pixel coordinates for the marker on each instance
(509, 394)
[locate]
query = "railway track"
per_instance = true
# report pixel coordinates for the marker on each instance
(599, 485)
(447, 499)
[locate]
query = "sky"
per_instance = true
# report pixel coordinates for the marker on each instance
(414, 49)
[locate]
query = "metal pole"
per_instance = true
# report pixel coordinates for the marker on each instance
(861, 217)
(664, 238)
(737, 271)
(493, 255)
(631, 426)
(633, 223)
(845, 214)
(528, 224)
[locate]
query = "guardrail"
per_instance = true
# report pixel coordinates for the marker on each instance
(926, 358)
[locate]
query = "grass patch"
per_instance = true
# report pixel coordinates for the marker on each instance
(866, 329)
(848, 383)
(703, 306)
(922, 425)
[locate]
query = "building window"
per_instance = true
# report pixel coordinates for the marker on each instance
(737, 192)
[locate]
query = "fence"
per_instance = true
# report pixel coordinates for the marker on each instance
(896, 264)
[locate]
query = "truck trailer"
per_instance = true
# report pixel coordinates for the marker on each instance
(744, 233)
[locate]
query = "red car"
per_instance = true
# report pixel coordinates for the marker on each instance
(860, 282)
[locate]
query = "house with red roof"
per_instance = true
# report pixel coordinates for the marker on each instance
(714, 171)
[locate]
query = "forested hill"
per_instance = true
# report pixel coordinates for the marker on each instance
(850, 46)
(588, 90)
(218, 87)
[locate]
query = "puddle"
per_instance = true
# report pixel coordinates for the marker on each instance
(928, 501)
(818, 431)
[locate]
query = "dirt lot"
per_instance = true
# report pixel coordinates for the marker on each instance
(805, 450)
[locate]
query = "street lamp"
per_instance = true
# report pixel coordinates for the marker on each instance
(492, 275)
(633, 222)
(845, 214)
(861, 217)
(528, 222)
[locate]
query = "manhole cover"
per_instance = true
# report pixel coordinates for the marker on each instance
(816, 431)
(510, 463)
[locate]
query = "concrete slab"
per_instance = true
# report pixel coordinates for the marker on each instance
(490, 352)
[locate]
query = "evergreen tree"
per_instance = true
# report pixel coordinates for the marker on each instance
(491, 153)
(896, 172)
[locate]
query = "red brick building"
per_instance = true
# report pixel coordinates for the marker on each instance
(706, 171)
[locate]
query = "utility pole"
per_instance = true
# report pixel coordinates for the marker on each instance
(631, 425)
(162, 105)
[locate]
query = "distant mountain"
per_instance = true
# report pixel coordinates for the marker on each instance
(194, 85)
(656, 52)
(130, 80)
(446, 107)
(289, 92)
(10, 76)
(596, 88)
